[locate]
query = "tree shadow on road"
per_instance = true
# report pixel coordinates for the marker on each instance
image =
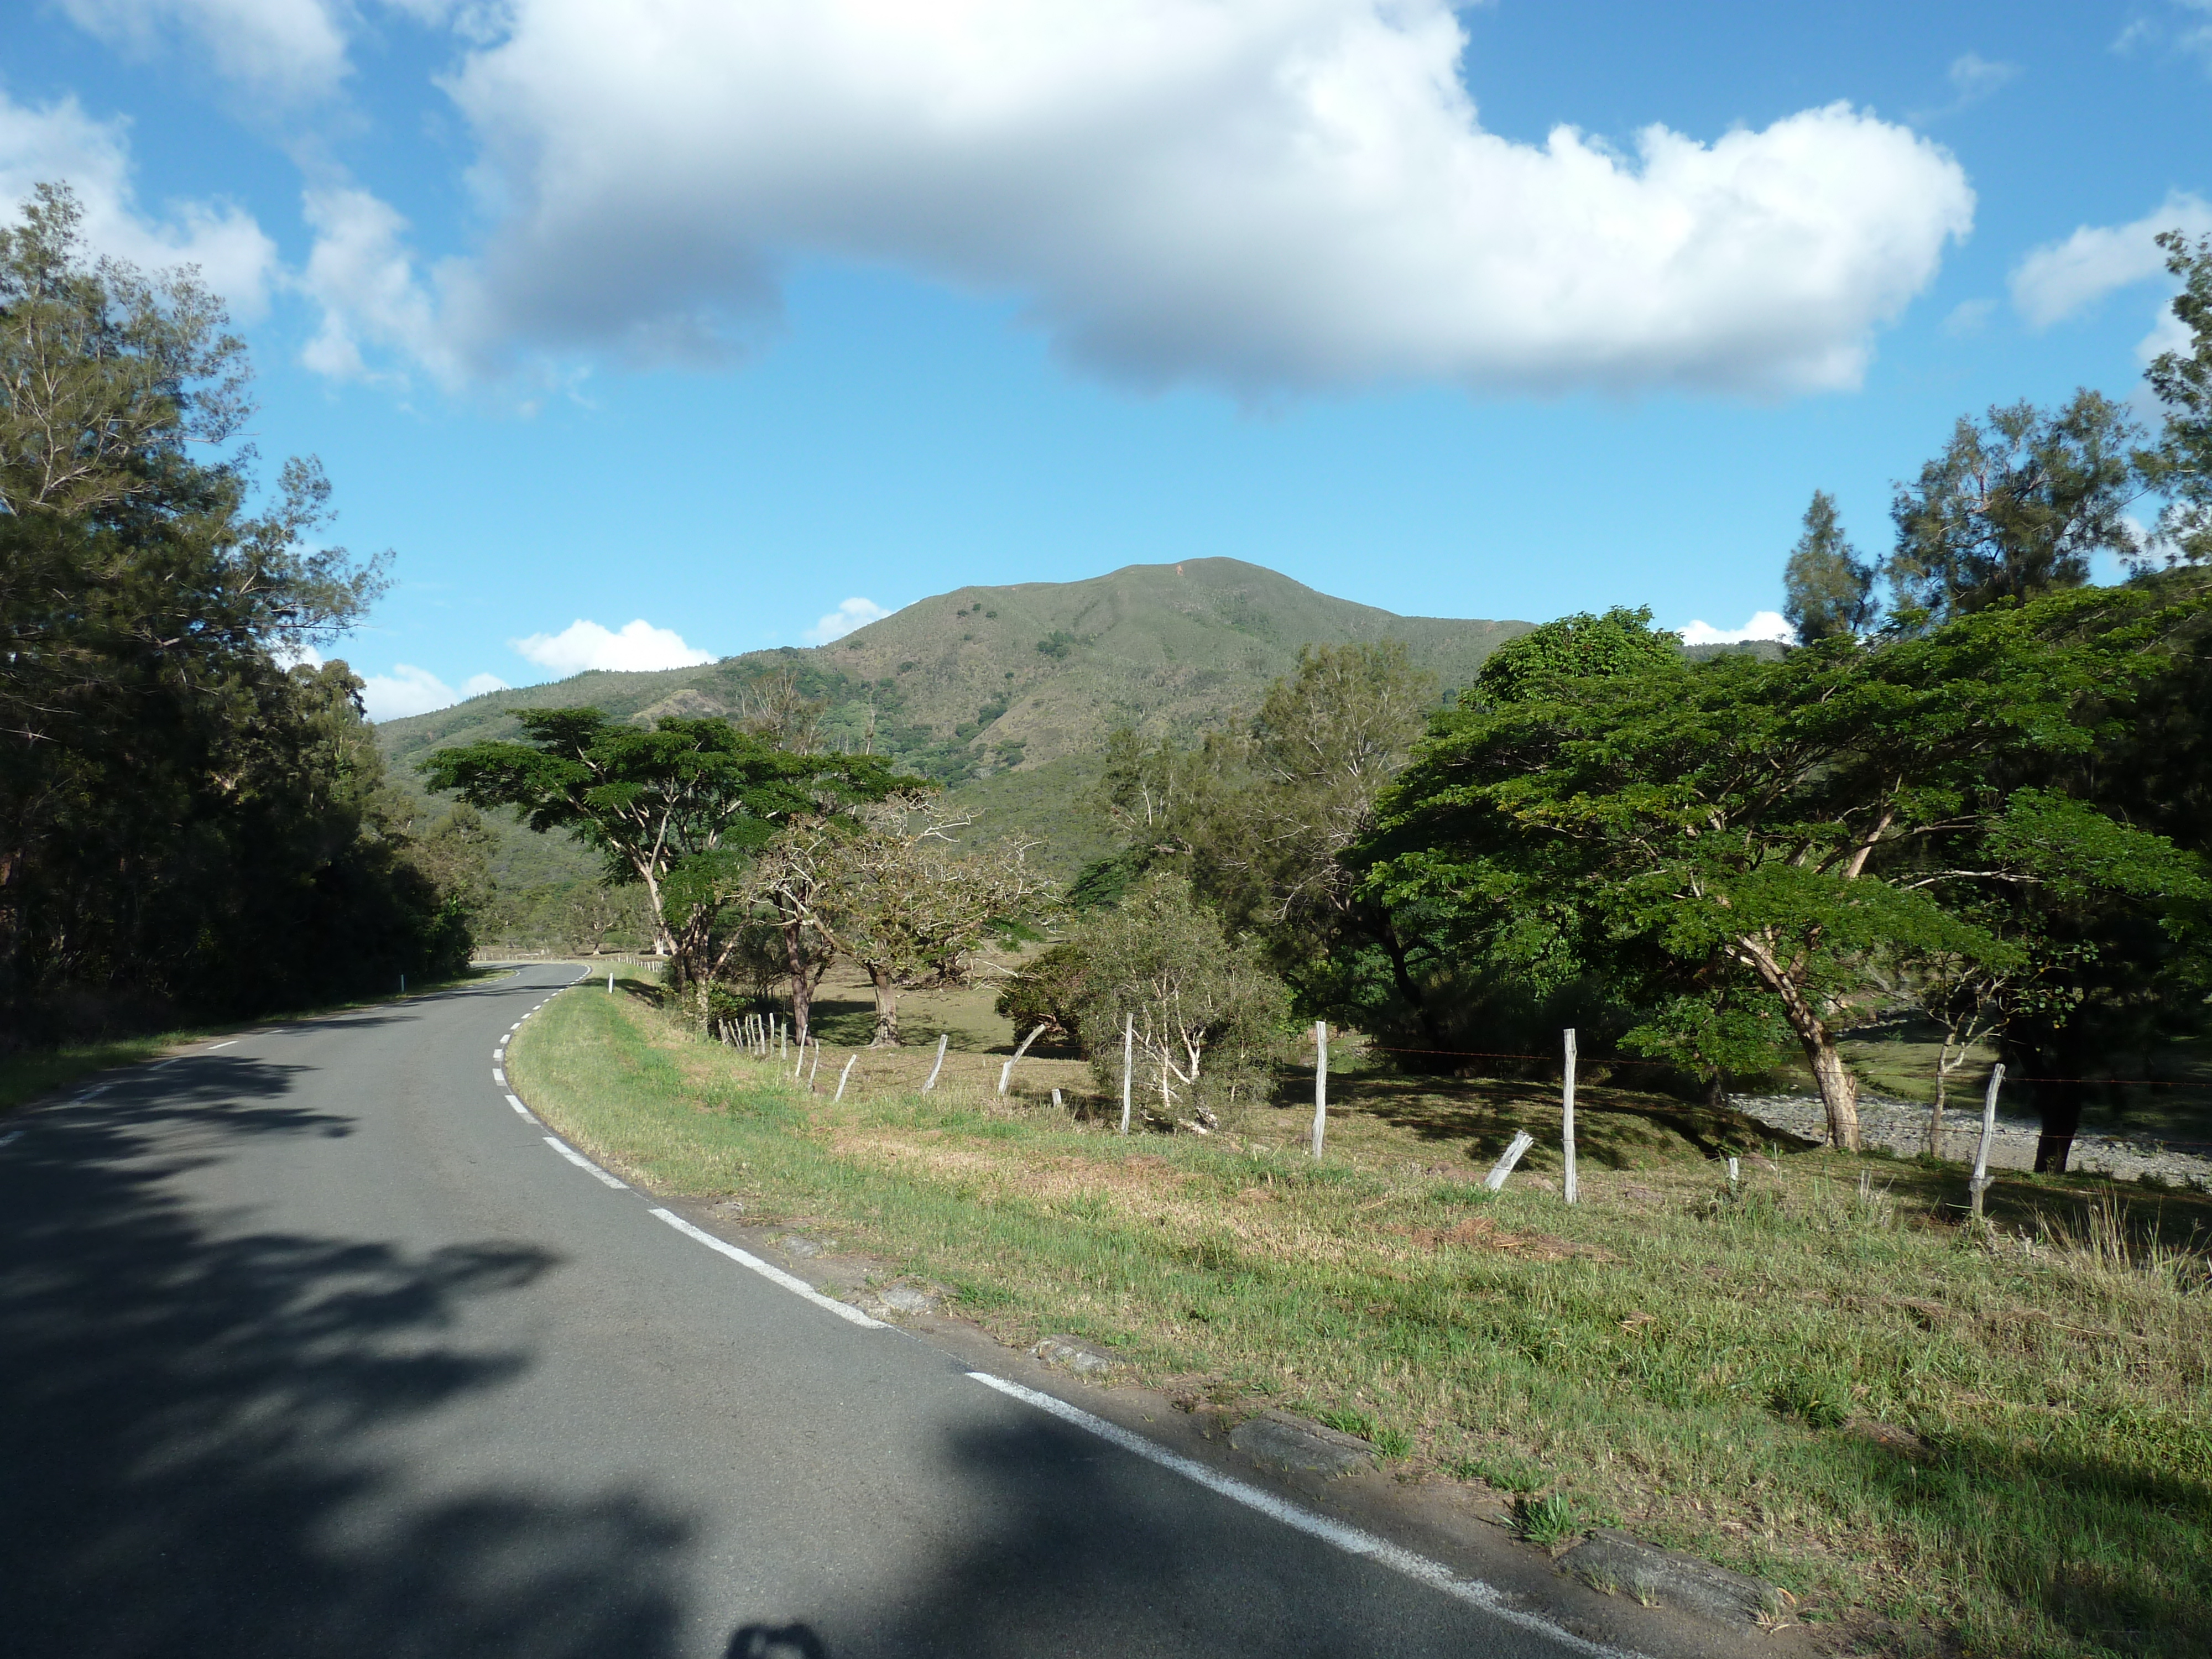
(190, 1422)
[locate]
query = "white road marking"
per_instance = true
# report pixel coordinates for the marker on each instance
(583, 1163)
(1351, 1540)
(499, 1076)
(522, 1108)
(232, 1044)
(499, 1051)
(790, 1282)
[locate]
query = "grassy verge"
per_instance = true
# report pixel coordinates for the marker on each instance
(1996, 1444)
(31, 1074)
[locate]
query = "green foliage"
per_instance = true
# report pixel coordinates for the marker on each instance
(1815, 1398)
(2179, 464)
(1756, 835)
(2016, 506)
(1550, 1521)
(1048, 991)
(1577, 647)
(186, 826)
(1208, 1017)
(1827, 588)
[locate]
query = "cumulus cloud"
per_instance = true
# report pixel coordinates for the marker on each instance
(362, 274)
(2060, 278)
(1265, 195)
(849, 615)
(408, 690)
(405, 690)
(1763, 625)
(59, 142)
(637, 646)
(292, 48)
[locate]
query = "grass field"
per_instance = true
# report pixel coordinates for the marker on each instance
(1940, 1442)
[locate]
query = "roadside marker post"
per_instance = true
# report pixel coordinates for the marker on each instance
(1321, 1084)
(1980, 1184)
(842, 1076)
(943, 1039)
(1567, 1121)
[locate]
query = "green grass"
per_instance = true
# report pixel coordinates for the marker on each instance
(1993, 1443)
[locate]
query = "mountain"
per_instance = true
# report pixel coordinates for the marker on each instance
(1005, 695)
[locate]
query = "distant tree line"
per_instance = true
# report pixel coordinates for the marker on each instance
(192, 823)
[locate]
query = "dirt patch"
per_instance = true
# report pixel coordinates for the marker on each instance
(1480, 1233)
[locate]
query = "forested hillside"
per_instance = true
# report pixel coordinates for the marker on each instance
(1003, 695)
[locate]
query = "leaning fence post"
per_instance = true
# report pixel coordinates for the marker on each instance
(1129, 1064)
(1007, 1071)
(842, 1076)
(1567, 1121)
(1980, 1184)
(1523, 1140)
(943, 1039)
(1321, 1084)
(816, 1067)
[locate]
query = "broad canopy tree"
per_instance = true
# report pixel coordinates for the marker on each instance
(695, 795)
(1773, 827)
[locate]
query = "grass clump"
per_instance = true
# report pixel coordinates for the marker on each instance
(1996, 1442)
(1549, 1522)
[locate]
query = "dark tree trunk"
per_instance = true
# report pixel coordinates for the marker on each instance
(2060, 1104)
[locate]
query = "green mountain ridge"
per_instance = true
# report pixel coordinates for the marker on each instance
(1005, 695)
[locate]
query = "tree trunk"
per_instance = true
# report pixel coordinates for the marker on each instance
(1839, 1090)
(2060, 1104)
(886, 989)
(805, 974)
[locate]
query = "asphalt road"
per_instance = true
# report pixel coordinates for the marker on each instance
(310, 1346)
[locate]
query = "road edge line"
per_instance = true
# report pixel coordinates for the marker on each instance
(775, 1275)
(1352, 1540)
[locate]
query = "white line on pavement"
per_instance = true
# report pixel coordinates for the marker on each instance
(232, 1044)
(581, 1162)
(790, 1282)
(1351, 1540)
(499, 1076)
(522, 1108)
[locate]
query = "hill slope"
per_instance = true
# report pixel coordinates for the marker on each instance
(1003, 694)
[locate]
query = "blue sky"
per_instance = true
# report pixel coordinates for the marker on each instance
(691, 321)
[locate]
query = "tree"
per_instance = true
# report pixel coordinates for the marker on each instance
(2178, 466)
(904, 896)
(1787, 823)
(697, 791)
(184, 822)
(1827, 589)
(2015, 506)
(1208, 1017)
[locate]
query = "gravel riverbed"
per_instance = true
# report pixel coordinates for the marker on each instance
(1902, 1127)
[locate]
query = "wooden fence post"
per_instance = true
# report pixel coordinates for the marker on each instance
(942, 1040)
(1007, 1071)
(1055, 1100)
(1567, 1123)
(1321, 1084)
(1523, 1140)
(815, 1068)
(1980, 1184)
(1129, 1064)
(842, 1075)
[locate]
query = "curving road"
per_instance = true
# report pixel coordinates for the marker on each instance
(310, 1346)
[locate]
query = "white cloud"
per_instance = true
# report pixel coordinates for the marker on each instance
(1259, 194)
(851, 614)
(2060, 278)
(584, 645)
(1763, 625)
(59, 143)
(477, 685)
(1973, 78)
(1968, 317)
(363, 277)
(291, 48)
(405, 690)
